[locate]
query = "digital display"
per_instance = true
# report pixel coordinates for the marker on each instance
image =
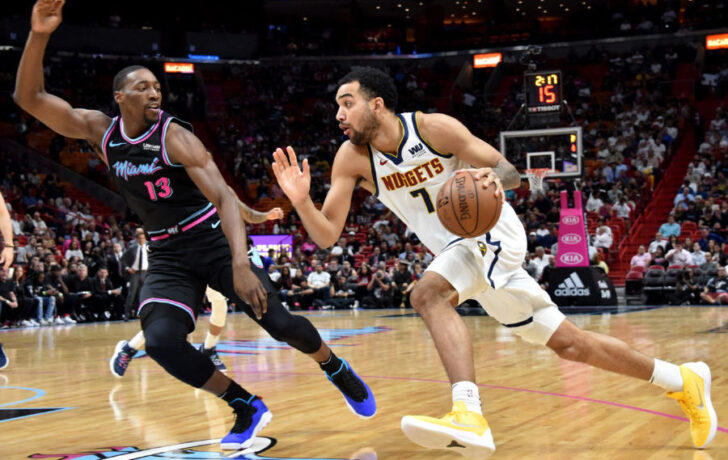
(179, 67)
(716, 42)
(487, 60)
(543, 91)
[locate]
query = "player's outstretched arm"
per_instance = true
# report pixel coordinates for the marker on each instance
(185, 148)
(30, 92)
(323, 226)
(446, 134)
(252, 216)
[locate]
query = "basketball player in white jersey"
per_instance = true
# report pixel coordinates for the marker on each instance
(403, 159)
(125, 350)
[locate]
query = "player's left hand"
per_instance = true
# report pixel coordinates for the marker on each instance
(491, 177)
(274, 214)
(6, 257)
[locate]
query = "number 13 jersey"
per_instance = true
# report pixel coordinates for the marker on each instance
(159, 191)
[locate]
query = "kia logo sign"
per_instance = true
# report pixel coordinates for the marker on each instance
(571, 238)
(571, 258)
(570, 220)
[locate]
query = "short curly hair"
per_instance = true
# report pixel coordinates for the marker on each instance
(374, 83)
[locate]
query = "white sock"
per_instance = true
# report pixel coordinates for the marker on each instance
(138, 342)
(667, 375)
(210, 340)
(468, 393)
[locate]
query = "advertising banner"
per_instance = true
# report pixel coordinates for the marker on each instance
(283, 244)
(572, 250)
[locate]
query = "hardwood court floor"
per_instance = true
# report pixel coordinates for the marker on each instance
(537, 405)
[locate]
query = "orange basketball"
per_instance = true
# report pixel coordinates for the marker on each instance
(465, 208)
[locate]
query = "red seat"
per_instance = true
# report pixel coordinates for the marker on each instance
(675, 267)
(634, 275)
(637, 268)
(656, 267)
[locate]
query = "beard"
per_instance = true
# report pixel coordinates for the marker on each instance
(365, 135)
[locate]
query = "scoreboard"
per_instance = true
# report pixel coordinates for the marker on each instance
(543, 92)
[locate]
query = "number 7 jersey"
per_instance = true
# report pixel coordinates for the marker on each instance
(161, 193)
(407, 183)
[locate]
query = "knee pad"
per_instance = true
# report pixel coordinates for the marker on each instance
(296, 331)
(166, 343)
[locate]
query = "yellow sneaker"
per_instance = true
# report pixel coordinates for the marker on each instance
(695, 402)
(461, 431)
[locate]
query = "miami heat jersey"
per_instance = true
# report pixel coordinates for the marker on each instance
(407, 182)
(159, 191)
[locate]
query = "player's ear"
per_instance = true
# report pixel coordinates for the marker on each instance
(118, 96)
(378, 104)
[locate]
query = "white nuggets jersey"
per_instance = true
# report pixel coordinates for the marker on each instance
(407, 183)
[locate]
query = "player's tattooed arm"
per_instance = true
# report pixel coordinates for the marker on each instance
(508, 174)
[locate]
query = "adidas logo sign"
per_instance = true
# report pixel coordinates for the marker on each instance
(572, 286)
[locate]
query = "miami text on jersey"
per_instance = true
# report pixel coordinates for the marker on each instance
(414, 176)
(126, 168)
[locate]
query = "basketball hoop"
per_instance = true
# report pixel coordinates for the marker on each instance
(535, 178)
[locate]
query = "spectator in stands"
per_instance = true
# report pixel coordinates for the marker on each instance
(642, 258)
(678, 255)
(697, 256)
(8, 299)
(379, 291)
(136, 261)
(320, 281)
(622, 208)
(603, 238)
(716, 291)
(401, 278)
(538, 262)
(63, 306)
(25, 313)
(683, 198)
(687, 290)
(80, 288)
(107, 300)
(532, 243)
(711, 264)
(269, 259)
(670, 227)
(706, 235)
(546, 273)
(342, 296)
(364, 275)
(74, 250)
(44, 298)
(658, 258)
(599, 262)
(658, 241)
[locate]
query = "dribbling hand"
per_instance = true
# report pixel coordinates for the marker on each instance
(47, 16)
(249, 288)
(491, 177)
(294, 182)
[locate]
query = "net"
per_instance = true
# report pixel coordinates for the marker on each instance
(535, 178)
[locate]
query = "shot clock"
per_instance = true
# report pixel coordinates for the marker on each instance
(543, 92)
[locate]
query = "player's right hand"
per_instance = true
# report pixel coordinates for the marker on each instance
(294, 182)
(249, 288)
(46, 16)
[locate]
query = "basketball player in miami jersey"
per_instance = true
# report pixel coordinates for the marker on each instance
(125, 350)
(6, 257)
(403, 159)
(197, 235)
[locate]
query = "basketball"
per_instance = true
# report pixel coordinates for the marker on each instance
(465, 208)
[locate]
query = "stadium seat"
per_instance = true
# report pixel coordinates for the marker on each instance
(654, 285)
(633, 284)
(656, 267)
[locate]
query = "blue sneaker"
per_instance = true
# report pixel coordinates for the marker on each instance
(358, 396)
(4, 360)
(123, 354)
(250, 417)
